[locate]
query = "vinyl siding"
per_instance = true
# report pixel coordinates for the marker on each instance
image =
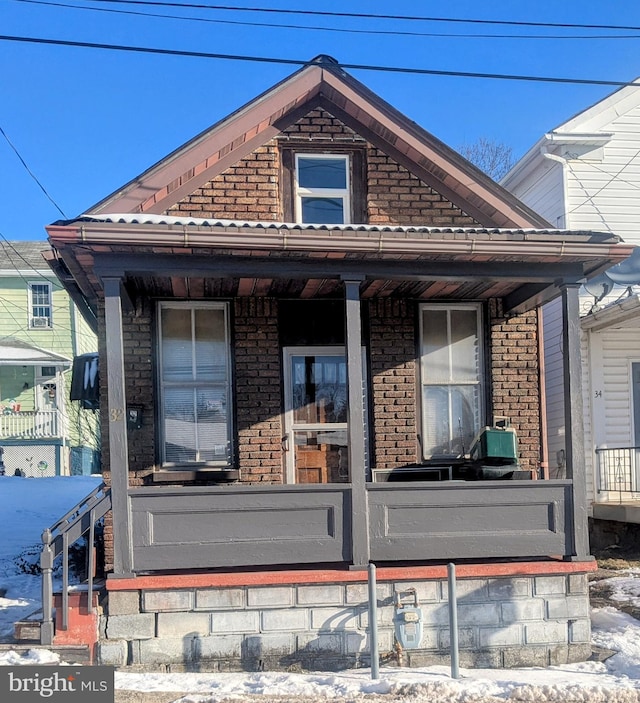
(554, 383)
(602, 193)
(543, 192)
(612, 351)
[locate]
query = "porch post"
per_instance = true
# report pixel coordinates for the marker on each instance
(117, 412)
(573, 417)
(355, 374)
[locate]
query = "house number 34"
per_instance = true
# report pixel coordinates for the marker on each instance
(117, 414)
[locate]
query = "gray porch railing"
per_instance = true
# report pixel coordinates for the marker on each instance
(195, 527)
(617, 471)
(78, 523)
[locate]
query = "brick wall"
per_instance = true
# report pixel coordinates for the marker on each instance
(395, 196)
(258, 397)
(318, 124)
(246, 191)
(252, 188)
(516, 382)
(394, 383)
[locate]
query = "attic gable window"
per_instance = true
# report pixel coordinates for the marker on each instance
(322, 189)
(323, 182)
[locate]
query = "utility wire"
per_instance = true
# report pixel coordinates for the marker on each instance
(298, 62)
(30, 172)
(367, 15)
(612, 179)
(385, 32)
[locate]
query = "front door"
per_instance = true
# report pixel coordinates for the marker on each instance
(316, 415)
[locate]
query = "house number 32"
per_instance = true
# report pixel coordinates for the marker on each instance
(117, 414)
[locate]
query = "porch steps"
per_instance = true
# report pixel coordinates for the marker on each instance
(28, 629)
(26, 638)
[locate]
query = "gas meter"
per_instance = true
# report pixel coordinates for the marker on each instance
(408, 619)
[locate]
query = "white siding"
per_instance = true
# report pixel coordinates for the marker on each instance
(590, 359)
(603, 193)
(543, 192)
(554, 383)
(613, 424)
(598, 189)
(612, 353)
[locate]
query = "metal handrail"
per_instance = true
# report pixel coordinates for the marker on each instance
(618, 469)
(79, 521)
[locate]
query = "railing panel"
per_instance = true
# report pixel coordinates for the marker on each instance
(208, 527)
(29, 424)
(617, 471)
(475, 520)
(56, 540)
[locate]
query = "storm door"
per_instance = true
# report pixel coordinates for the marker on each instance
(316, 415)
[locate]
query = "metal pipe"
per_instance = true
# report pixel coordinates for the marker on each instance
(373, 623)
(453, 621)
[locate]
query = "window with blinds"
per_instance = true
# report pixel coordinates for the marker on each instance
(195, 384)
(452, 378)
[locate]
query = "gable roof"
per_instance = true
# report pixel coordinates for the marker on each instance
(602, 113)
(588, 128)
(16, 351)
(24, 258)
(321, 83)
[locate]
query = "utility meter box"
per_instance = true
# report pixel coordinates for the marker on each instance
(495, 445)
(408, 621)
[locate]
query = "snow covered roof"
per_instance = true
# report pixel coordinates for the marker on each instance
(174, 221)
(14, 351)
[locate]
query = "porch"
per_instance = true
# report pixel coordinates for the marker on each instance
(29, 424)
(174, 517)
(191, 528)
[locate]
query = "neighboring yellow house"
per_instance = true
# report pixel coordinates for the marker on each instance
(42, 432)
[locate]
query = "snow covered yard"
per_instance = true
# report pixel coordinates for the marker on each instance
(27, 506)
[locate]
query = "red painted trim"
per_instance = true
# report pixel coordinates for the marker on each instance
(270, 578)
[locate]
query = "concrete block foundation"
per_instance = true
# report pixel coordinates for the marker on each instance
(320, 621)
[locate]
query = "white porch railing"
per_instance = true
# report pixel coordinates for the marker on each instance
(36, 424)
(617, 473)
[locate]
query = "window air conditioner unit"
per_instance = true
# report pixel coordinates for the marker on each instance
(39, 322)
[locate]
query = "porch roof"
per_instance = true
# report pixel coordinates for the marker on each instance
(15, 352)
(161, 256)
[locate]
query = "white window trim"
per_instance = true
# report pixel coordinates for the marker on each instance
(193, 465)
(343, 193)
(33, 317)
(481, 383)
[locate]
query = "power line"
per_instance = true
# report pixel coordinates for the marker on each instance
(298, 62)
(30, 172)
(367, 15)
(271, 25)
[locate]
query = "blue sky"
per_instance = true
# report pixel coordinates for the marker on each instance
(86, 121)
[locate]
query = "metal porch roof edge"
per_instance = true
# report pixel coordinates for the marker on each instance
(213, 223)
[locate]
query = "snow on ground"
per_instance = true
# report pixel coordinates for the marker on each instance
(27, 506)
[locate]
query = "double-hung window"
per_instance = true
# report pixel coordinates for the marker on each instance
(195, 387)
(40, 305)
(452, 378)
(322, 189)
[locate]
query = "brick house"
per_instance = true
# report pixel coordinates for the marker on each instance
(309, 300)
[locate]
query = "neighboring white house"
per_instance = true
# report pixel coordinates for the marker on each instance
(585, 174)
